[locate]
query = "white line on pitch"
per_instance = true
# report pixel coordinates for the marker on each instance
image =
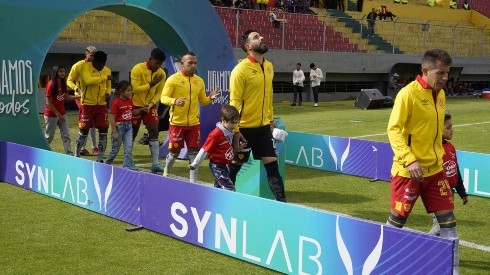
(474, 245)
(471, 124)
(460, 125)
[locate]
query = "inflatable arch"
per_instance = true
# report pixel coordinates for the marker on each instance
(30, 27)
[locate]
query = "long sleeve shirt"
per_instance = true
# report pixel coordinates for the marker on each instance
(96, 87)
(298, 77)
(415, 128)
(251, 92)
(73, 79)
(316, 77)
(190, 87)
(143, 94)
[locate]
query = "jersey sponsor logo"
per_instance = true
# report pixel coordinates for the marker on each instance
(60, 97)
(410, 198)
(127, 115)
(410, 190)
(425, 102)
(450, 168)
(229, 154)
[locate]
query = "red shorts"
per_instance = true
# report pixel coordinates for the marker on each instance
(434, 192)
(93, 116)
(147, 118)
(79, 104)
(178, 134)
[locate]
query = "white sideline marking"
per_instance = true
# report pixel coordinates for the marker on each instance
(460, 125)
(474, 245)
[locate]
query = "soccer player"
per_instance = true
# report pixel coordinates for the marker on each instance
(415, 132)
(96, 88)
(251, 95)
(184, 91)
(148, 79)
(73, 81)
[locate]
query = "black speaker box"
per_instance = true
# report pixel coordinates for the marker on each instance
(369, 99)
(389, 102)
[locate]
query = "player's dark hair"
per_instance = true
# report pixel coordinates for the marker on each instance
(54, 79)
(158, 54)
(447, 117)
(121, 87)
(431, 57)
(100, 56)
(245, 39)
(229, 113)
(299, 64)
(312, 65)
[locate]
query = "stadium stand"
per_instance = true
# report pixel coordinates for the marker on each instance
(463, 32)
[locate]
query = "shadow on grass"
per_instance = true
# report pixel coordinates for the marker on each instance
(302, 197)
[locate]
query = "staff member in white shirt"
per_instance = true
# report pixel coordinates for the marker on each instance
(316, 76)
(298, 78)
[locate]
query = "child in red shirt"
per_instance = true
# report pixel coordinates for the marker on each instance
(54, 110)
(218, 147)
(451, 168)
(120, 117)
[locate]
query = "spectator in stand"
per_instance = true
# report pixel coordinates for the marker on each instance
(389, 14)
(456, 88)
(298, 78)
(263, 4)
(371, 18)
(382, 12)
(453, 4)
(273, 17)
(227, 3)
(280, 4)
(359, 5)
(341, 5)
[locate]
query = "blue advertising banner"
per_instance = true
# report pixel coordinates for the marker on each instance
(474, 168)
(285, 237)
(373, 159)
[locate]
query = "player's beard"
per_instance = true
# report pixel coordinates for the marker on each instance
(261, 48)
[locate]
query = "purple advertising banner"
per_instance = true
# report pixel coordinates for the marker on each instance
(284, 237)
(102, 188)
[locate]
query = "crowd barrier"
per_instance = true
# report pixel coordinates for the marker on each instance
(284, 237)
(373, 159)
